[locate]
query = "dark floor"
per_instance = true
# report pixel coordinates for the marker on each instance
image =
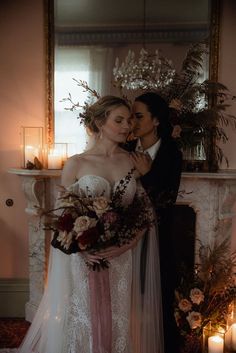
(12, 332)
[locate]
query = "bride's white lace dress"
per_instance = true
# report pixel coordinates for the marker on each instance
(62, 323)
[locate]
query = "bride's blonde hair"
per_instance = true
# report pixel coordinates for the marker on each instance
(96, 114)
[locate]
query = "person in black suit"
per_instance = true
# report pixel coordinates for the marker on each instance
(159, 162)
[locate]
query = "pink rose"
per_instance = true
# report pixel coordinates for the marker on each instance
(196, 295)
(185, 305)
(194, 319)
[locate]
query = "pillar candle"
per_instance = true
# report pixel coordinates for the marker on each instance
(54, 161)
(233, 333)
(215, 344)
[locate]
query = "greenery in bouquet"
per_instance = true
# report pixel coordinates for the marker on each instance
(198, 107)
(85, 223)
(204, 295)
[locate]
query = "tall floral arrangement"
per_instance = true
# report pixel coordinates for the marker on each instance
(199, 107)
(205, 294)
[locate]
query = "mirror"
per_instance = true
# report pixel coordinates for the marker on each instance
(83, 42)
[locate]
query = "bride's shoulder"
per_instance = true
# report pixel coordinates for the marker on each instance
(77, 160)
(71, 169)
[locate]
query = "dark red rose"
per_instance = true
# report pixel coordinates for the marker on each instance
(66, 222)
(88, 237)
(110, 217)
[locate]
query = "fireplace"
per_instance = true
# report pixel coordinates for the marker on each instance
(207, 201)
(184, 236)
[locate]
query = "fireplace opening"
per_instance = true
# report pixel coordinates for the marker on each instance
(184, 236)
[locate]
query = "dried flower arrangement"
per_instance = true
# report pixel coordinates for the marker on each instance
(203, 295)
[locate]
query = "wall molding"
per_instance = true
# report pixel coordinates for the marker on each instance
(14, 293)
(117, 36)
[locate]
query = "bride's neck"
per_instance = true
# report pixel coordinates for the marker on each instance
(105, 147)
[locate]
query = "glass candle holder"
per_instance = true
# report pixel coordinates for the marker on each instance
(231, 325)
(214, 338)
(57, 155)
(32, 147)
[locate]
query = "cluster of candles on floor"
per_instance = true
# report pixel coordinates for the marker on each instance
(220, 338)
(36, 155)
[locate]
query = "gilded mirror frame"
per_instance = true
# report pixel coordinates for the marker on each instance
(215, 6)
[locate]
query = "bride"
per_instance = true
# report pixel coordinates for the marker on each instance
(117, 310)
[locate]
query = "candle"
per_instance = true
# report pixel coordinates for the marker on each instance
(233, 333)
(215, 344)
(54, 161)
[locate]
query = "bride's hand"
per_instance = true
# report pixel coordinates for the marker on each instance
(92, 258)
(115, 251)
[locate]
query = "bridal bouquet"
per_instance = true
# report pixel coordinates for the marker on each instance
(85, 223)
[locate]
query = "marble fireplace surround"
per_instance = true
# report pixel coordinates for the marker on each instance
(212, 196)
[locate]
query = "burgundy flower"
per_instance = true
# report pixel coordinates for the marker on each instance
(110, 217)
(88, 237)
(66, 222)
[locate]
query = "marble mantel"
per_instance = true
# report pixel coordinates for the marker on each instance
(213, 198)
(211, 195)
(39, 187)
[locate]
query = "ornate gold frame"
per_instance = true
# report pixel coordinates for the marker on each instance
(49, 57)
(214, 39)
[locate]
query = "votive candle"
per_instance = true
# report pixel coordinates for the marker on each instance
(54, 161)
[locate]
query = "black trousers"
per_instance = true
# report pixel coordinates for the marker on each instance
(169, 276)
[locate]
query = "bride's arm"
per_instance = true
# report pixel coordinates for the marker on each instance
(70, 171)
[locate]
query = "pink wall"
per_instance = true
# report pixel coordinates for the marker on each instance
(22, 103)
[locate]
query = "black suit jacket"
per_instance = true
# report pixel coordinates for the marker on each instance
(162, 181)
(162, 184)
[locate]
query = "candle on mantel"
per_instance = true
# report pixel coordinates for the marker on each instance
(215, 344)
(233, 336)
(54, 161)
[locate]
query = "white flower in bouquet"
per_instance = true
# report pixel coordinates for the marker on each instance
(65, 239)
(83, 223)
(101, 205)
